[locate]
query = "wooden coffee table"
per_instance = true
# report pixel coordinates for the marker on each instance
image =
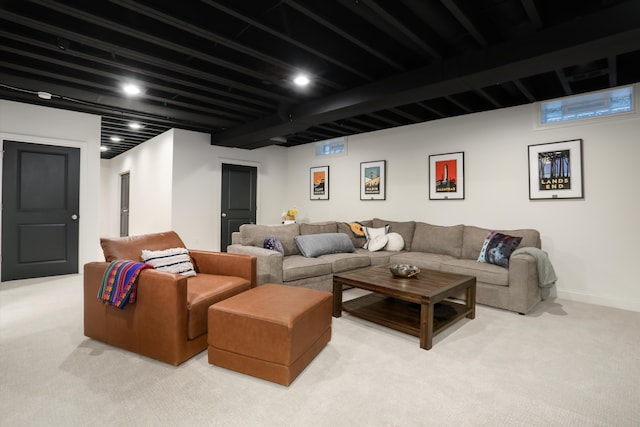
(406, 305)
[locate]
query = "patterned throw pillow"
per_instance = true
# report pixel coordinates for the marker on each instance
(497, 248)
(174, 260)
(274, 244)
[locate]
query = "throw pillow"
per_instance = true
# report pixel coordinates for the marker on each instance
(497, 248)
(371, 233)
(395, 242)
(274, 244)
(313, 245)
(377, 243)
(174, 260)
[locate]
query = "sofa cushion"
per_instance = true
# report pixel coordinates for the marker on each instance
(254, 235)
(297, 267)
(346, 262)
(130, 247)
(473, 239)
(320, 227)
(204, 290)
(485, 273)
(497, 249)
(437, 239)
(405, 228)
(422, 260)
(378, 257)
(172, 260)
(273, 244)
(313, 245)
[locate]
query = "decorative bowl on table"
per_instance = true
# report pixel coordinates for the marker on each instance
(404, 270)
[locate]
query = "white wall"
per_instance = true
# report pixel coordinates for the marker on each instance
(197, 175)
(592, 242)
(176, 185)
(150, 168)
(50, 126)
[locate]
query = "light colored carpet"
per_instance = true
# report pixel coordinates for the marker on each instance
(565, 364)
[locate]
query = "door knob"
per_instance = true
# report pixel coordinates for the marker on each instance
(74, 217)
(224, 215)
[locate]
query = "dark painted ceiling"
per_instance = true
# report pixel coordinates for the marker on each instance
(225, 66)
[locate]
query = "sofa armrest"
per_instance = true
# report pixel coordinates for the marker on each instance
(225, 264)
(524, 290)
(159, 311)
(268, 262)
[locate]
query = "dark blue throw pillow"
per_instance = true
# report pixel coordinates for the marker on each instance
(274, 244)
(497, 249)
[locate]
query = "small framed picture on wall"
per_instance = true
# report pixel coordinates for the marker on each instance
(446, 176)
(555, 170)
(373, 180)
(319, 183)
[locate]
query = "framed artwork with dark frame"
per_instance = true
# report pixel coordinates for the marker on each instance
(373, 180)
(446, 176)
(319, 183)
(555, 170)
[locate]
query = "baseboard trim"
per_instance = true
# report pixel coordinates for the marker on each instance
(622, 303)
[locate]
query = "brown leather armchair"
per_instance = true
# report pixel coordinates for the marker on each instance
(168, 321)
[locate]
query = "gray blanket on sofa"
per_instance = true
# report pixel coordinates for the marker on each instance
(546, 273)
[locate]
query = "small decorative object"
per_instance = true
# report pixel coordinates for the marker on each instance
(446, 176)
(319, 183)
(404, 270)
(373, 185)
(289, 215)
(555, 170)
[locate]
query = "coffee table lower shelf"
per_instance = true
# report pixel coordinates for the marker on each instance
(400, 315)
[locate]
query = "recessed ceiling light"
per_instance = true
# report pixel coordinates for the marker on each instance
(104, 148)
(135, 125)
(116, 139)
(301, 80)
(131, 89)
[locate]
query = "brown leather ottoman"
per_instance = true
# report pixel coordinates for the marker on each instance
(270, 332)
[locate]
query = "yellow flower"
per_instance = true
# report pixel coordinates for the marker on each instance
(292, 212)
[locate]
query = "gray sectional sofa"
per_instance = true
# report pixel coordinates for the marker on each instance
(453, 249)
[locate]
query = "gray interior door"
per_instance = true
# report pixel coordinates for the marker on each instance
(238, 200)
(124, 204)
(40, 210)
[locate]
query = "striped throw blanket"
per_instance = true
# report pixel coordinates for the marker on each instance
(120, 283)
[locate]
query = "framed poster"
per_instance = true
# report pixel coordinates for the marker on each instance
(319, 183)
(446, 176)
(373, 183)
(555, 170)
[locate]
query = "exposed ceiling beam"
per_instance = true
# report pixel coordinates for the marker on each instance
(457, 13)
(561, 45)
(287, 39)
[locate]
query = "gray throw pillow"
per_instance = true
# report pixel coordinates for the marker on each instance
(313, 245)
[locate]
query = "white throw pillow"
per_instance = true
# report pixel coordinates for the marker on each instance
(377, 243)
(371, 233)
(174, 260)
(395, 242)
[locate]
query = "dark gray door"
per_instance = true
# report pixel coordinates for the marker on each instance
(40, 210)
(124, 204)
(238, 200)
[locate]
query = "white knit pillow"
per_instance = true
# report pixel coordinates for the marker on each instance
(174, 260)
(395, 242)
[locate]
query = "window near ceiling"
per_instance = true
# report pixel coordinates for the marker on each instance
(331, 146)
(591, 105)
